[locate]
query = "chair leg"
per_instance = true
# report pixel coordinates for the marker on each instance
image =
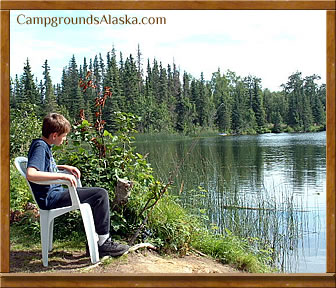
(51, 235)
(90, 231)
(44, 226)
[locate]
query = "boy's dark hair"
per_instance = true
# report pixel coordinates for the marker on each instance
(55, 122)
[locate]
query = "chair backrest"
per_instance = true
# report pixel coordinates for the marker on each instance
(21, 166)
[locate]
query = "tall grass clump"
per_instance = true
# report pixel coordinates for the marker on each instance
(172, 226)
(234, 250)
(275, 216)
(177, 230)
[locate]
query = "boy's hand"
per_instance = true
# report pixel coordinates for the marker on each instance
(74, 171)
(71, 179)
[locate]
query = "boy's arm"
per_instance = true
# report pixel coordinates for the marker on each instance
(35, 175)
(73, 170)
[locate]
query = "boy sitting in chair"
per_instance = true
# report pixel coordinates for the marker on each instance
(41, 166)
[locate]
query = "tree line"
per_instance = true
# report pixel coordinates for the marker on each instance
(167, 100)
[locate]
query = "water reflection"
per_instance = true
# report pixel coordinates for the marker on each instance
(271, 187)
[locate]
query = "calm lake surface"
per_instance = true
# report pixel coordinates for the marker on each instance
(269, 187)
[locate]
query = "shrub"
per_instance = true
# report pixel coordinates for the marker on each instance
(24, 126)
(103, 157)
(20, 194)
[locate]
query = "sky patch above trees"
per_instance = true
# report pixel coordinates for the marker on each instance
(268, 44)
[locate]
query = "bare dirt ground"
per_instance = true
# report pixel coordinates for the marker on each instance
(140, 261)
(151, 262)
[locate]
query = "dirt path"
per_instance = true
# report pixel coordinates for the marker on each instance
(151, 262)
(140, 261)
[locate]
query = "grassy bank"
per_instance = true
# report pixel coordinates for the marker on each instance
(183, 231)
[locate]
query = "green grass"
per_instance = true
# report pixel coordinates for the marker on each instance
(181, 231)
(230, 249)
(23, 241)
(106, 261)
(26, 253)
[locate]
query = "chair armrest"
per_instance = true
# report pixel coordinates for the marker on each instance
(49, 182)
(72, 190)
(64, 171)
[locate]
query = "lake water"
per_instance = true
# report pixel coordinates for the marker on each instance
(271, 187)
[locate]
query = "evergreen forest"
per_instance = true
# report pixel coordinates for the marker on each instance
(169, 101)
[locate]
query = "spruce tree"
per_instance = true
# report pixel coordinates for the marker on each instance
(147, 116)
(311, 90)
(112, 79)
(17, 92)
(131, 87)
(268, 103)
(257, 104)
(174, 94)
(190, 111)
(222, 101)
(194, 97)
(300, 115)
(48, 95)
(139, 69)
(154, 79)
(293, 90)
(163, 86)
(203, 103)
(181, 100)
(319, 111)
(97, 74)
(75, 96)
(30, 93)
(181, 112)
(101, 67)
(238, 109)
(62, 95)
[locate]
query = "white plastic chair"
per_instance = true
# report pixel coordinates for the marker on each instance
(47, 216)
